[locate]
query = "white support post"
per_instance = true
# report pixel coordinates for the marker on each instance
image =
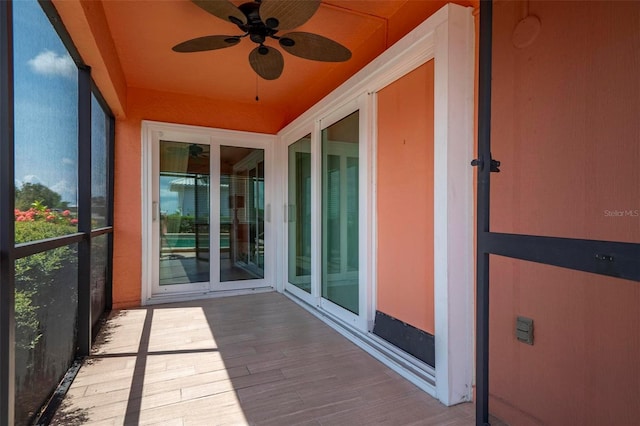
(453, 205)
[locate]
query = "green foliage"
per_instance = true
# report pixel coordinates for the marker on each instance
(38, 270)
(31, 193)
(34, 271)
(176, 223)
(27, 326)
(42, 281)
(33, 231)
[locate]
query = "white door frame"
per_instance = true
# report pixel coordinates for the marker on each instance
(447, 37)
(362, 319)
(152, 133)
(309, 297)
(249, 142)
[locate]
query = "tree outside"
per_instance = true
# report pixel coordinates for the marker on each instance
(30, 193)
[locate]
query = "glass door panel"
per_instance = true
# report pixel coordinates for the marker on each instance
(299, 214)
(340, 210)
(207, 223)
(242, 213)
(184, 213)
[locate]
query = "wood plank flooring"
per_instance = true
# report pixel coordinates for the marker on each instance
(258, 359)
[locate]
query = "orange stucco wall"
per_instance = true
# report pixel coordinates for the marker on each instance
(405, 199)
(87, 24)
(565, 127)
(167, 107)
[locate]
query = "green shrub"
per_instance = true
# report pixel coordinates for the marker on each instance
(33, 231)
(45, 303)
(27, 327)
(45, 295)
(176, 223)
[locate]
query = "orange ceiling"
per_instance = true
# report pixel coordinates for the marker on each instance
(143, 33)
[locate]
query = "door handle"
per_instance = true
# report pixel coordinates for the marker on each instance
(154, 211)
(291, 213)
(267, 213)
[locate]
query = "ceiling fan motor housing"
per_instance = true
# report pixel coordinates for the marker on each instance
(258, 31)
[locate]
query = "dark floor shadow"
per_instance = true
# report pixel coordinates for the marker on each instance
(107, 329)
(67, 416)
(132, 415)
(134, 401)
(135, 354)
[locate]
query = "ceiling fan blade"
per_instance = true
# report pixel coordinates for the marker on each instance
(314, 47)
(287, 14)
(205, 43)
(267, 62)
(223, 9)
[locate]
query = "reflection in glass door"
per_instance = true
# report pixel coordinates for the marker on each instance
(207, 212)
(340, 211)
(242, 213)
(184, 213)
(299, 214)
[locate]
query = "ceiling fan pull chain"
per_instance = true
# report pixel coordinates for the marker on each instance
(257, 98)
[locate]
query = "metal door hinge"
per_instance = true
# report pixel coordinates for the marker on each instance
(494, 168)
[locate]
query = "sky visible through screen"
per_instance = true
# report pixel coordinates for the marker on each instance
(45, 102)
(46, 114)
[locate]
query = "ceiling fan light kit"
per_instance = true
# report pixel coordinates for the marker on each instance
(261, 21)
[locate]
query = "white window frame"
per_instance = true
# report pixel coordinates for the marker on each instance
(311, 297)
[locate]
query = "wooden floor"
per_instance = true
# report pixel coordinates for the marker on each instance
(258, 359)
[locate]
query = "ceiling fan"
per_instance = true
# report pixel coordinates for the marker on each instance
(262, 20)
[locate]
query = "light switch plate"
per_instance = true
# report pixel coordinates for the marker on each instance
(524, 330)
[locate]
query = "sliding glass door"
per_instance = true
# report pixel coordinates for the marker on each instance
(210, 214)
(340, 192)
(323, 216)
(299, 214)
(184, 216)
(242, 214)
